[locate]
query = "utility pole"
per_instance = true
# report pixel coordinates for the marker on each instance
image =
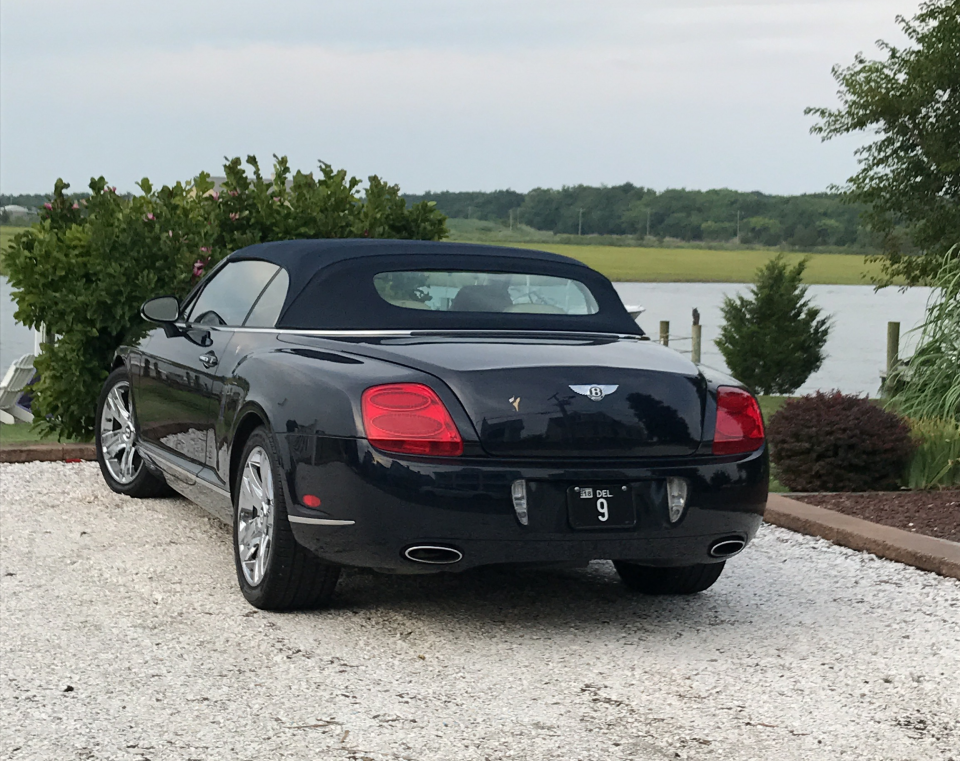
(738, 227)
(648, 223)
(580, 223)
(469, 212)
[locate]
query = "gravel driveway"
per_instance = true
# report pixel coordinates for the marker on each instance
(124, 637)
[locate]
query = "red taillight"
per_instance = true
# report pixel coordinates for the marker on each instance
(739, 423)
(409, 418)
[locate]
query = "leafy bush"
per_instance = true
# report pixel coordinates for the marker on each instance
(773, 341)
(86, 267)
(833, 442)
(936, 463)
(929, 386)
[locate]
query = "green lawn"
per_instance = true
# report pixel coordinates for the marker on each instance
(24, 433)
(769, 406)
(671, 265)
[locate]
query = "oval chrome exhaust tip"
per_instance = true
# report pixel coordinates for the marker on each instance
(728, 547)
(432, 554)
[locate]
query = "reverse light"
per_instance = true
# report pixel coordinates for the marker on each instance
(409, 418)
(518, 490)
(739, 423)
(677, 491)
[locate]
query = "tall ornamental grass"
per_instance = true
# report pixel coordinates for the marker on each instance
(929, 387)
(936, 461)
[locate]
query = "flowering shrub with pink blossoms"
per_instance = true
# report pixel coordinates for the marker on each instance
(85, 268)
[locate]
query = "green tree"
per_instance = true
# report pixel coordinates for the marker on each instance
(909, 175)
(718, 230)
(761, 230)
(773, 341)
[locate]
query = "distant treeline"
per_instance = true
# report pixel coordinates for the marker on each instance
(27, 200)
(804, 221)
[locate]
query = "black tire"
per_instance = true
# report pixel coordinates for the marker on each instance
(143, 483)
(683, 580)
(292, 576)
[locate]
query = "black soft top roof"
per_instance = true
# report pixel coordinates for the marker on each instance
(331, 285)
(302, 258)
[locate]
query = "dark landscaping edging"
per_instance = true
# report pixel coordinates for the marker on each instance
(47, 452)
(924, 552)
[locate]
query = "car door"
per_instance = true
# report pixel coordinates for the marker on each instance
(177, 390)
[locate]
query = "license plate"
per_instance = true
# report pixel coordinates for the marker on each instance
(601, 507)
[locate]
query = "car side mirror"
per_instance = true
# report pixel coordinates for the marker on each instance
(161, 309)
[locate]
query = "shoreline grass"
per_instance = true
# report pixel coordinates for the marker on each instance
(689, 265)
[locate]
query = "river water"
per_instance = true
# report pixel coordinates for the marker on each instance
(856, 349)
(15, 340)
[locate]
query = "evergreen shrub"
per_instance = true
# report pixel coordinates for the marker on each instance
(836, 442)
(773, 340)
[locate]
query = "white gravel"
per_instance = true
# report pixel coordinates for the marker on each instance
(124, 637)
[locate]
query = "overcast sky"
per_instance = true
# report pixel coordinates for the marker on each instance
(432, 94)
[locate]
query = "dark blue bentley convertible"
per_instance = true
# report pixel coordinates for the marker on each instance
(414, 407)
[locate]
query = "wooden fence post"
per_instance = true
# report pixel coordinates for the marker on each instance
(697, 335)
(665, 332)
(893, 347)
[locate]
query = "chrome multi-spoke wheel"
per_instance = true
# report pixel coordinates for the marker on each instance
(255, 516)
(117, 445)
(117, 435)
(275, 572)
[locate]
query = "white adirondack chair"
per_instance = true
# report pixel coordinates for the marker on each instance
(18, 376)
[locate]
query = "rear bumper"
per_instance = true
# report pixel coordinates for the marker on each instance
(388, 504)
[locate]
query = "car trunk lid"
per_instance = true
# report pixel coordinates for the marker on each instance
(563, 396)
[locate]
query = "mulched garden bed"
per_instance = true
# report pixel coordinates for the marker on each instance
(934, 513)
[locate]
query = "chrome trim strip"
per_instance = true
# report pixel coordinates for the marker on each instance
(318, 521)
(427, 333)
(421, 332)
(214, 488)
(192, 479)
(334, 333)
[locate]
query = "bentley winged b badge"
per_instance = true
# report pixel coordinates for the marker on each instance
(594, 393)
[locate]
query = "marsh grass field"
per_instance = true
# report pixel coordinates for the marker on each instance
(675, 262)
(680, 265)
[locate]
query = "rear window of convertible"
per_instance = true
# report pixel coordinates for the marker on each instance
(499, 292)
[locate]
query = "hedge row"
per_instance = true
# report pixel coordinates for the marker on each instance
(86, 267)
